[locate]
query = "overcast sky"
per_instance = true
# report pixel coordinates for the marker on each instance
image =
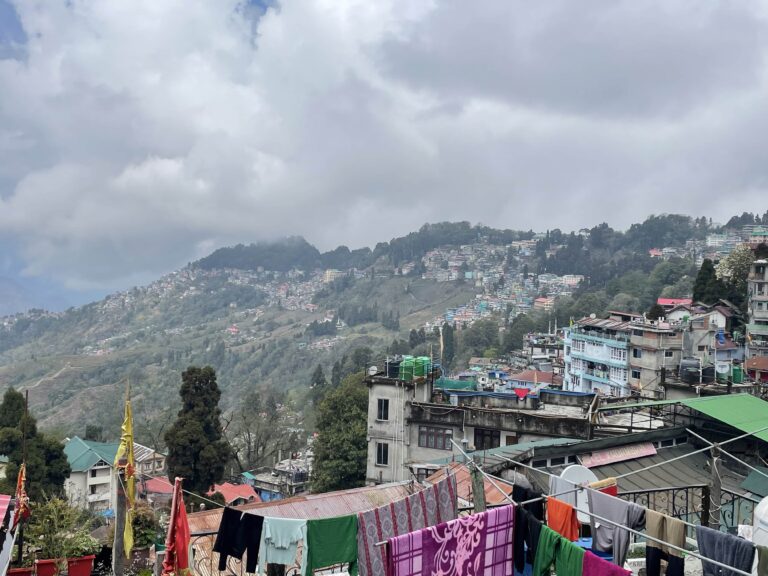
(138, 135)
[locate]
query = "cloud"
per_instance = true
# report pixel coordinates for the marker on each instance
(136, 136)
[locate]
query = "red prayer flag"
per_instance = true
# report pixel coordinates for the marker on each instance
(22, 500)
(176, 561)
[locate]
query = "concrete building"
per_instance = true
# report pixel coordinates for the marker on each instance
(597, 357)
(757, 328)
(91, 483)
(656, 348)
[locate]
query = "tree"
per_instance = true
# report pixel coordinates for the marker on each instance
(513, 337)
(656, 311)
(256, 431)
(449, 346)
(318, 378)
(708, 288)
(733, 271)
(197, 451)
(341, 448)
(47, 465)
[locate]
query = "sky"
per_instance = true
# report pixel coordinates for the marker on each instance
(138, 136)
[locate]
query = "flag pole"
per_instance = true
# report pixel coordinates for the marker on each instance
(121, 505)
(20, 554)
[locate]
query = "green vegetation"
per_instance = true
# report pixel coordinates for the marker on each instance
(47, 465)
(58, 531)
(341, 447)
(197, 451)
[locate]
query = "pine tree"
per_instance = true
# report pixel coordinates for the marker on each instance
(448, 345)
(47, 465)
(708, 288)
(318, 378)
(655, 312)
(197, 451)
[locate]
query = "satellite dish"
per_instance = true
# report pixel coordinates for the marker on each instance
(372, 371)
(580, 476)
(593, 315)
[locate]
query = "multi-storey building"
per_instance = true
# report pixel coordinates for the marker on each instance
(655, 350)
(597, 356)
(757, 328)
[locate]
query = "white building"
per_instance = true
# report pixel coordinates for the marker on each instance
(597, 357)
(91, 482)
(757, 328)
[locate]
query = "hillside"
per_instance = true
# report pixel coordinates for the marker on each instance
(266, 315)
(250, 327)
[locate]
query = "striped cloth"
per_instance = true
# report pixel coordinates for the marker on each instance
(480, 545)
(428, 507)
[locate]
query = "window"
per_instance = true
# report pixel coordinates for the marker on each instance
(382, 454)
(567, 350)
(540, 463)
(637, 332)
(637, 353)
(485, 439)
(702, 348)
(93, 473)
(618, 354)
(93, 489)
(668, 443)
(382, 412)
(430, 437)
(668, 353)
(559, 461)
(636, 374)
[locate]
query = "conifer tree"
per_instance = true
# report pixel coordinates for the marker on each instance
(197, 450)
(708, 288)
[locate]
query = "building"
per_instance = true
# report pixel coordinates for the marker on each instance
(597, 357)
(544, 303)
(331, 274)
(656, 348)
(757, 306)
(287, 478)
(91, 482)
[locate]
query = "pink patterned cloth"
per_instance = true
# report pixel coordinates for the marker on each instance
(595, 566)
(477, 545)
(428, 507)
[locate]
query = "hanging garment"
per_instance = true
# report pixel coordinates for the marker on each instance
(607, 486)
(238, 533)
(521, 494)
(670, 530)
(596, 566)
(332, 541)
(280, 539)
(226, 543)
(480, 545)
(561, 517)
(557, 486)
(526, 538)
(397, 518)
(607, 537)
(569, 558)
(762, 560)
(726, 548)
(546, 550)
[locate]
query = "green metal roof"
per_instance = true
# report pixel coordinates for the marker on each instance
(756, 483)
(742, 411)
(248, 476)
(84, 454)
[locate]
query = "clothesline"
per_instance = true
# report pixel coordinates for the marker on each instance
(166, 481)
(616, 524)
(739, 460)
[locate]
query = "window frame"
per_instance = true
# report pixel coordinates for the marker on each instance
(382, 454)
(382, 403)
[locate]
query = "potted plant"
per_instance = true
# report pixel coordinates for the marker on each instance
(58, 536)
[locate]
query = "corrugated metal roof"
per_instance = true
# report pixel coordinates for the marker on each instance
(756, 483)
(490, 458)
(742, 411)
(309, 506)
(464, 485)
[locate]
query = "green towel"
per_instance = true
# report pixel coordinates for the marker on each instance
(332, 541)
(762, 560)
(549, 540)
(569, 559)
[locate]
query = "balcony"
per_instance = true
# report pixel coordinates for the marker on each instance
(615, 340)
(98, 496)
(757, 329)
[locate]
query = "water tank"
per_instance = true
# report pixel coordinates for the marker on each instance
(722, 371)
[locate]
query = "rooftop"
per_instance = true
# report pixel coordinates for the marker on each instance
(234, 492)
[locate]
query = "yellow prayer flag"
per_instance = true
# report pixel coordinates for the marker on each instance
(125, 450)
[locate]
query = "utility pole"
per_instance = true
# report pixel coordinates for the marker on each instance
(478, 487)
(118, 548)
(715, 489)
